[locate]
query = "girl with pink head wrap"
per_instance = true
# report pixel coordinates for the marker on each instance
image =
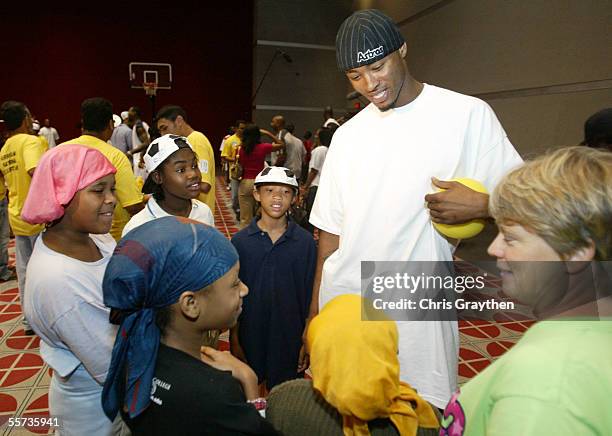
(72, 192)
(60, 174)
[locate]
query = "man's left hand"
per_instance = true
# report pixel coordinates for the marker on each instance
(457, 203)
(303, 359)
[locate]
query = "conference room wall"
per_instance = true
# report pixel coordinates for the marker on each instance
(306, 31)
(544, 66)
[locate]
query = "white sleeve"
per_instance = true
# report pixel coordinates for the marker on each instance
(55, 134)
(208, 217)
(129, 226)
(88, 334)
(328, 212)
(494, 155)
(316, 159)
(137, 220)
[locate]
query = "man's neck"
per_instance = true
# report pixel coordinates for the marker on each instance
(411, 89)
(98, 135)
(187, 130)
(18, 131)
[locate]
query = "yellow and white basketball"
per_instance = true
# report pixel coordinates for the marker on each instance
(464, 230)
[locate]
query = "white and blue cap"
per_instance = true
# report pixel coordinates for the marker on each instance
(161, 148)
(280, 175)
(365, 37)
(158, 151)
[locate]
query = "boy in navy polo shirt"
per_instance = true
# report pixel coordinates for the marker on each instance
(277, 263)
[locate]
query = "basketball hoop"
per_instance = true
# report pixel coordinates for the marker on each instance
(150, 88)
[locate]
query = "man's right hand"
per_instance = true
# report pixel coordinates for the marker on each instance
(224, 361)
(304, 333)
(304, 357)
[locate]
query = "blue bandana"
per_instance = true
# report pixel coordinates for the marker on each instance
(150, 268)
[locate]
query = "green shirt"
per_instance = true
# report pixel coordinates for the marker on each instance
(557, 380)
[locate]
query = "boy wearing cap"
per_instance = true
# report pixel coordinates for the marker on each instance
(174, 181)
(173, 119)
(277, 261)
(430, 132)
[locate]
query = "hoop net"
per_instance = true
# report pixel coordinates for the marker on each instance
(150, 88)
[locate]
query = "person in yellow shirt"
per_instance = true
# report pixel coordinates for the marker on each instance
(231, 143)
(97, 120)
(6, 272)
(230, 148)
(34, 131)
(43, 143)
(173, 119)
(18, 159)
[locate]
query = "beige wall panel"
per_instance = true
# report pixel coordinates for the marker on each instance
(540, 122)
(476, 46)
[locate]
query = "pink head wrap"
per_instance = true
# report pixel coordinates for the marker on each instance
(62, 172)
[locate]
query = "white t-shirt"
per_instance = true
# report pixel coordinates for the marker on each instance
(295, 151)
(136, 142)
(50, 135)
(317, 158)
(64, 305)
(199, 212)
(377, 172)
(331, 121)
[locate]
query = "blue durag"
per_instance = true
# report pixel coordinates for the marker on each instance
(150, 268)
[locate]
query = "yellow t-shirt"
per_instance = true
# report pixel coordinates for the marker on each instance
(206, 156)
(44, 143)
(126, 189)
(230, 146)
(19, 155)
(2, 187)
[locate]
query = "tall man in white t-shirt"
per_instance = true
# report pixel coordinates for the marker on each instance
(315, 166)
(140, 140)
(294, 147)
(49, 133)
(373, 200)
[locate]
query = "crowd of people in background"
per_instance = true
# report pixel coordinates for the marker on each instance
(124, 277)
(69, 203)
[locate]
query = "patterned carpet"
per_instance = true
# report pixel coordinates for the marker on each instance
(24, 377)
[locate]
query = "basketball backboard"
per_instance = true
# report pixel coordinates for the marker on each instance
(150, 72)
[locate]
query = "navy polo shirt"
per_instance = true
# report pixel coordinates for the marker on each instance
(279, 277)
